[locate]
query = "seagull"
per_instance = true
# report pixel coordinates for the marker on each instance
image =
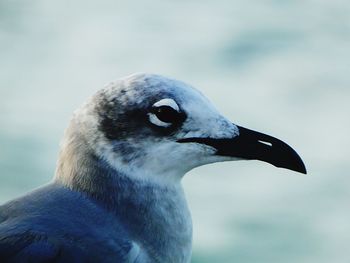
(116, 195)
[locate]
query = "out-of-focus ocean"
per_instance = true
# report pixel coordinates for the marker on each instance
(278, 66)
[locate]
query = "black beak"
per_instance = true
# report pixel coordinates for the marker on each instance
(252, 145)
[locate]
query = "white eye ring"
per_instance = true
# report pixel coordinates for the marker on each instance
(164, 102)
(154, 119)
(167, 102)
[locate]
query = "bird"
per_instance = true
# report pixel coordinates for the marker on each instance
(116, 195)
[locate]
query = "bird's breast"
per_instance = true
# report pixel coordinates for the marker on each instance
(161, 224)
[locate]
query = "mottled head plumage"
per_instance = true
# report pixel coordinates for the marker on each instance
(134, 124)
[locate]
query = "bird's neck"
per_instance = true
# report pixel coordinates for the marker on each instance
(156, 216)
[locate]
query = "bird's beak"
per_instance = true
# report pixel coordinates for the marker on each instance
(252, 145)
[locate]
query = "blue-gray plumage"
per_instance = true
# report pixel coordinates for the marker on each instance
(117, 195)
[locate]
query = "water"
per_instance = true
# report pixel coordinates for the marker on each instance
(281, 67)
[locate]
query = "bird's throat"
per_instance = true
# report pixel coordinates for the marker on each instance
(156, 216)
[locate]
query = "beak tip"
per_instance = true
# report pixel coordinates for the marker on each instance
(303, 170)
(294, 163)
(298, 166)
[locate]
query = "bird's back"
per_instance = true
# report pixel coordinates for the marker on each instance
(57, 224)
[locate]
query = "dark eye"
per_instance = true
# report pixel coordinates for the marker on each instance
(166, 114)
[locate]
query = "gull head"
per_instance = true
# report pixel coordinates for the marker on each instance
(152, 128)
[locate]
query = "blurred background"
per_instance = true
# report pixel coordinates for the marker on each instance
(278, 66)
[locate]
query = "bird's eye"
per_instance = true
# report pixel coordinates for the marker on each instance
(165, 113)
